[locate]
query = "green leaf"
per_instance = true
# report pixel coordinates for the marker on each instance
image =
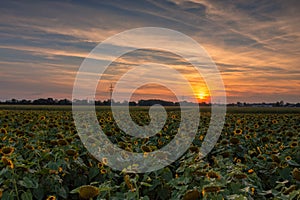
(293, 163)
(38, 193)
(29, 183)
(93, 172)
(7, 196)
(26, 195)
(75, 191)
(146, 184)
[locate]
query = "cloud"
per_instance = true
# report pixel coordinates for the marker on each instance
(254, 43)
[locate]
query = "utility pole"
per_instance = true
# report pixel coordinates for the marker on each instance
(111, 89)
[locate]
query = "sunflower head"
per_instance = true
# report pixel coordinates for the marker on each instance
(7, 162)
(294, 144)
(104, 161)
(6, 151)
(88, 191)
(71, 152)
(234, 140)
(146, 149)
(296, 174)
(247, 137)
(210, 189)
(287, 158)
(192, 195)
(240, 176)
(51, 198)
(62, 142)
(238, 132)
(3, 131)
(213, 174)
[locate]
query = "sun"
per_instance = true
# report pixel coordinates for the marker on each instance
(202, 95)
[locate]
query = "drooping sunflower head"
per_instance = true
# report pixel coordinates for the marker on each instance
(234, 140)
(71, 152)
(240, 176)
(62, 142)
(213, 174)
(296, 174)
(88, 191)
(209, 189)
(191, 195)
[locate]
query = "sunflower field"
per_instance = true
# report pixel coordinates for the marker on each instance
(42, 157)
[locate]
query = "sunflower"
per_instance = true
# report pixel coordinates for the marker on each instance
(294, 144)
(173, 116)
(264, 139)
(288, 158)
(29, 147)
(104, 161)
(128, 182)
(51, 198)
(275, 159)
(7, 162)
(256, 126)
(234, 140)
(103, 171)
(192, 195)
(213, 174)
(201, 137)
(62, 142)
(224, 142)
(225, 154)
(283, 165)
(42, 118)
(274, 121)
(7, 151)
(3, 131)
(240, 176)
(247, 137)
(146, 149)
(145, 154)
(210, 189)
(71, 152)
(194, 149)
(290, 189)
(200, 173)
(88, 191)
(296, 174)
(238, 132)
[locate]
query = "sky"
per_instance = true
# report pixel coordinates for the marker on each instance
(255, 45)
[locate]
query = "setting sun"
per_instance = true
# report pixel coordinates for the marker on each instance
(202, 95)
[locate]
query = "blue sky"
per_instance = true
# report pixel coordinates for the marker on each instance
(255, 44)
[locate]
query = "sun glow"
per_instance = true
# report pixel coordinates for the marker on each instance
(202, 96)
